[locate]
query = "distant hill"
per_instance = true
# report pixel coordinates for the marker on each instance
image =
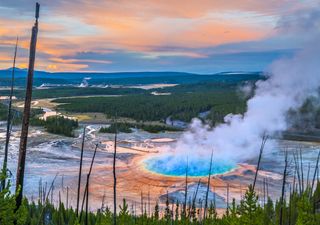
(122, 78)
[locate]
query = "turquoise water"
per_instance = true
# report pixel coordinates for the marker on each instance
(173, 166)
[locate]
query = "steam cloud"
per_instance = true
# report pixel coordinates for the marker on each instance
(290, 82)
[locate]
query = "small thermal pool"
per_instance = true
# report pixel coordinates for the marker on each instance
(171, 165)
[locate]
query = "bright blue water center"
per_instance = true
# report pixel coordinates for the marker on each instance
(171, 166)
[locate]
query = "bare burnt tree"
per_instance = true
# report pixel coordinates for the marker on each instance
(184, 212)
(115, 176)
(26, 112)
(301, 168)
(80, 170)
(86, 190)
(297, 169)
(264, 140)
(315, 172)
(208, 187)
(282, 201)
(9, 118)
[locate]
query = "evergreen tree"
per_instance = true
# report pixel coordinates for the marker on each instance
(124, 216)
(167, 212)
(156, 211)
(249, 210)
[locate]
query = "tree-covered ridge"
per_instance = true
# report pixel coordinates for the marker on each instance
(127, 128)
(180, 106)
(122, 78)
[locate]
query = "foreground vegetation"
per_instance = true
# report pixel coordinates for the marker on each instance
(301, 209)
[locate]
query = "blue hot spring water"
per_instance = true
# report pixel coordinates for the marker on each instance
(172, 166)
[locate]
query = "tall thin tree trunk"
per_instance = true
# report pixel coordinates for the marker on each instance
(297, 168)
(208, 187)
(9, 117)
(290, 205)
(267, 186)
(301, 167)
(195, 198)
(26, 112)
(141, 202)
(264, 140)
(185, 193)
(308, 173)
(283, 189)
(149, 208)
(87, 200)
(315, 172)
(264, 191)
(227, 198)
(80, 170)
(86, 190)
(67, 204)
(115, 178)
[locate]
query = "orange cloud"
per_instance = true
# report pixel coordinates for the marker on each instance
(68, 27)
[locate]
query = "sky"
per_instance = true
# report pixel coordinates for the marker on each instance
(199, 36)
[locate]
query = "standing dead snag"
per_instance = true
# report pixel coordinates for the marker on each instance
(86, 190)
(115, 177)
(283, 188)
(301, 168)
(208, 186)
(184, 212)
(315, 172)
(80, 170)
(9, 118)
(26, 112)
(264, 140)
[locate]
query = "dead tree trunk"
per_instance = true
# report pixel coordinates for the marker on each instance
(283, 188)
(115, 179)
(9, 119)
(141, 203)
(315, 172)
(264, 140)
(87, 200)
(185, 193)
(80, 171)
(227, 199)
(301, 167)
(26, 112)
(86, 190)
(208, 187)
(67, 204)
(297, 168)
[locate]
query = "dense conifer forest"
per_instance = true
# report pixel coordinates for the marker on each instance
(127, 128)
(179, 106)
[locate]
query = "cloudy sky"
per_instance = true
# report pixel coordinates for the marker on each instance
(202, 36)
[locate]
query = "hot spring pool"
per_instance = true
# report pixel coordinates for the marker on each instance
(171, 166)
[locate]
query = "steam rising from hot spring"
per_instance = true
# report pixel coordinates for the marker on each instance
(290, 82)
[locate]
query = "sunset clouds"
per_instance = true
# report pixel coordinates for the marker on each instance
(125, 35)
